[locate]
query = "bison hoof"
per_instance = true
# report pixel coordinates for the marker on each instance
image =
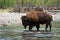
(37, 30)
(30, 30)
(49, 30)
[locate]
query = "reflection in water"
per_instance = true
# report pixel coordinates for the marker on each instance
(36, 38)
(37, 35)
(10, 35)
(54, 35)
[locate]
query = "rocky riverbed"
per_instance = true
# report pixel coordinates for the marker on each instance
(15, 18)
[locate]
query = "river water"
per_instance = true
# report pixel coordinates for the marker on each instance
(12, 33)
(7, 34)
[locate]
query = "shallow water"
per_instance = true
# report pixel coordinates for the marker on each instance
(19, 35)
(14, 33)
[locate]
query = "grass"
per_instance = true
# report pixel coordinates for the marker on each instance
(56, 24)
(12, 27)
(4, 10)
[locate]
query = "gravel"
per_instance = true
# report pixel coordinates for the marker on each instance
(14, 18)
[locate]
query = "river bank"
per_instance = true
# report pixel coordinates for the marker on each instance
(15, 18)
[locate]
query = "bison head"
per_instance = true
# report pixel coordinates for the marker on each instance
(25, 21)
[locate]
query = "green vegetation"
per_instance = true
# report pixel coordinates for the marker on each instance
(11, 27)
(55, 24)
(6, 3)
(11, 3)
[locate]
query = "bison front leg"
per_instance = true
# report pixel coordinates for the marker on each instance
(37, 26)
(25, 26)
(30, 27)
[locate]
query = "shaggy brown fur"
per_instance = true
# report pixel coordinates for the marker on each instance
(39, 17)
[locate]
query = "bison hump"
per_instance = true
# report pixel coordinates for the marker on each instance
(32, 16)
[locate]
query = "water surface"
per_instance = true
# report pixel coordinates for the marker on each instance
(7, 34)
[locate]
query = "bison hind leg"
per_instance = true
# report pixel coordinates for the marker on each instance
(50, 26)
(47, 26)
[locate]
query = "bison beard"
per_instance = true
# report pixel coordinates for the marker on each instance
(35, 18)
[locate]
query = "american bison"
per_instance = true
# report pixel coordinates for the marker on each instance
(35, 18)
(26, 22)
